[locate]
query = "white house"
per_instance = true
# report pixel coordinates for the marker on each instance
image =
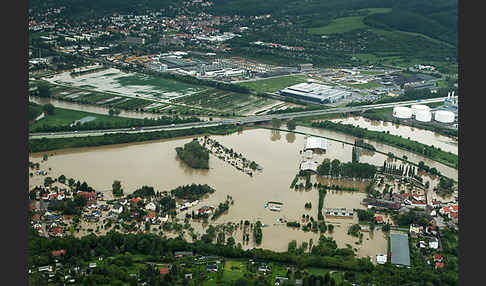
(164, 218)
(381, 258)
(117, 208)
(434, 243)
(150, 206)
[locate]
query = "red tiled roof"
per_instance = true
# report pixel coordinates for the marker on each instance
(164, 270)
(56, 230)
(58, 252)
(36, 217)
(87, 195)
(437, 256)
(379, 218)
(439, 265)
(455, 208)
(446, 209)
(453, 214)
(136, 200)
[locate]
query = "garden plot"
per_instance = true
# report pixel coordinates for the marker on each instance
(115, 81)
(108, 100)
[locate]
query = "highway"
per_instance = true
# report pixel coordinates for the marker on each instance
(239, 121)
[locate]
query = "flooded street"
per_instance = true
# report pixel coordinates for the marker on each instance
(420, 135)
(155, 164)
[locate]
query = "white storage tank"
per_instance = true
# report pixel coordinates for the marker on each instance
(402, 112)
(417, 107)
(423, 115)
(444, 116)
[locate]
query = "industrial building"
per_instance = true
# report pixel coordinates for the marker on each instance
(309, 166)
(400, 252)
(316, 144)
(315, 92)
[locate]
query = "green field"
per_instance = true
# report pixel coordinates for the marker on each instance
(274, 84)
(63, 117)
(346, 24)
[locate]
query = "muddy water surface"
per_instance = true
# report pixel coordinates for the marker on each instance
(420, 135)
(155, 164)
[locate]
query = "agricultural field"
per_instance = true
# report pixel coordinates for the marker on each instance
(274, 84)
(225, 101)
(116, 82)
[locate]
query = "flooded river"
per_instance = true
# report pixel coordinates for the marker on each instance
(420, 135)
(155, 164)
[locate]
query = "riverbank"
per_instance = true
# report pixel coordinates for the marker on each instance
(431, 152)
(49, 144)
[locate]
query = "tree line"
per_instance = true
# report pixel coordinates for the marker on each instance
(48, 144)
(335, 168)
(431, 152)
(192, 192)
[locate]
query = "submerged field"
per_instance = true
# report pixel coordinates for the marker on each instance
(114, 81)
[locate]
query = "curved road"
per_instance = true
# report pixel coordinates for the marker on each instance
(239, 121)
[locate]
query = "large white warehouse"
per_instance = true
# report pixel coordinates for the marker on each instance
(315, 92)
(444, 116)
(402, 112)
(423, 115)
(316, 143)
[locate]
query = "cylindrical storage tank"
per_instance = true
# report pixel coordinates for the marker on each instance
(444, 116)
(417, 107)
(423, 115)
(402, 112)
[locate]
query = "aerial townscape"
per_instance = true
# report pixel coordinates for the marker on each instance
(243, 142)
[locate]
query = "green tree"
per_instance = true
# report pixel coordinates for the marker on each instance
(44, 90)
(48, 109)
(276, 123)
(116, 188)
(291, 124)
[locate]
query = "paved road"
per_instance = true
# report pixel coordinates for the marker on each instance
(238, 121)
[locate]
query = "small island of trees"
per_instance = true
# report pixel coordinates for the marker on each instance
(194, 155)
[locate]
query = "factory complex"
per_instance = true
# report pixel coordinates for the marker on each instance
(445, 114)
(315, 92)
(313, 144)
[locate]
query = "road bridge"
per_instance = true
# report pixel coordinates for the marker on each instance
(234, 121)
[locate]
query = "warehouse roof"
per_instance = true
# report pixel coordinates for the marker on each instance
(400, 253)
(316, 143)
(309, 165)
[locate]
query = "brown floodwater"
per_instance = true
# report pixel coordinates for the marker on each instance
(155, 164)
(376, 158)
(445, 143)
(90, 108)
